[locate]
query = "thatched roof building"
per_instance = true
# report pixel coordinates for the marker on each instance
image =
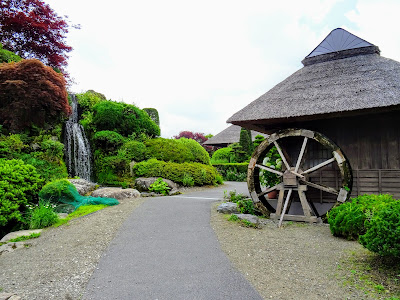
(229, 136)
(343, 76)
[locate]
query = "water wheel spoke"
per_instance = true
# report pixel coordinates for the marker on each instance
(319, 166)
(268, 190)
(269, 169)
(300, 158)
(321, 187)
(282, 155)
(285, 207)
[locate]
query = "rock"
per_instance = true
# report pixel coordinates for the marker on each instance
(62, 215)
(8, 296)
(150, 194)
(227, 208)
(143, 184)
(251, 218)
(174, 192)
(117, 193)
(16, 234)
(10, 247)
(83, 186)
(131, 164)
(35, 146)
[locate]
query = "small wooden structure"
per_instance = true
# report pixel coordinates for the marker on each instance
(336, 123)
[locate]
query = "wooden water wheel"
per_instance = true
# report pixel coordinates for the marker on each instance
(315, 175)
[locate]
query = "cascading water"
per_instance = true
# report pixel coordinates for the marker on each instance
(77, 148)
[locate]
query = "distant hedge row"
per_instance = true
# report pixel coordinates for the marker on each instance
(201, 174)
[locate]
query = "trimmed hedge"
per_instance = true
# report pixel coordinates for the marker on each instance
(134, 150)
(232, 171)
(348, 219)
(201, 174)
(199, 153)
(222, 156)
(383, 231)
(108, 140)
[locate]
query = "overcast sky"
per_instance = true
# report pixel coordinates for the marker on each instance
(199, 62)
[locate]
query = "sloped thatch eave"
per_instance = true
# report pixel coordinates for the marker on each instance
(357, 83)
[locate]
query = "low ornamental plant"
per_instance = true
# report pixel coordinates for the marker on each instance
(383, 231)
(233, 196)
(187, 180)
(246, 206)
(43, 215)
(160, 187)
(348, 219)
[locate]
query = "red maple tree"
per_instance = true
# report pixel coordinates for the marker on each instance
(31, 93)
(197, 136)
(31, 29)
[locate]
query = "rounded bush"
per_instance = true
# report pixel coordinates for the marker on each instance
(201, 174)
(347, 220)
(123, 118)
(168, 150)
(19, 186)
(135, 150)
(383, 231)
(222, 155)
(199, 153)
(108, 140)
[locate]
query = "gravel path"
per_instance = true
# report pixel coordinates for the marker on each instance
(59, 264)
(295, 262)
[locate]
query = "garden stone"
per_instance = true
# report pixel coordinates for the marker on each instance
(150, 194)
(143, 184)
(131, 164)
(251, 218)
(16, 234)
(83, 186)
(227, 208)
(117, 193)
(174, 192)
(10, 247)
(8, 296)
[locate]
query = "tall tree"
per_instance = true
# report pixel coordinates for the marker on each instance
(31, 29)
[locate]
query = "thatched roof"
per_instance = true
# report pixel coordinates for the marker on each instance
(345, 82)
(229, 136)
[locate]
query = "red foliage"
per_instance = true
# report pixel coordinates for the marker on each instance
(31, 93)
(197, 136)
(31, 29)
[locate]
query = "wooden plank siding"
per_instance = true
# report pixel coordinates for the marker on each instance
(370, 142)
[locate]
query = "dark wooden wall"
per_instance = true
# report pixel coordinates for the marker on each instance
(372, 145)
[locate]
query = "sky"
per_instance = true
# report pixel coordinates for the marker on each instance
(199, 62)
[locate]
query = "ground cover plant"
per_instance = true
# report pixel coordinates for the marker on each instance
(160, 187)
(80, 212)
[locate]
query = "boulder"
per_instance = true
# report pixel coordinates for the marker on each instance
(174, 192)
(117, 193)
(143, 184)
(16, 234)
(227, 208)
(251, 218)
(83, 186)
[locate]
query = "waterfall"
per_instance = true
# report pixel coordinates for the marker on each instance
(77, 148)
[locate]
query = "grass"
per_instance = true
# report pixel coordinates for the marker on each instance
(22, 238)
(244, 223)
(80, 212)
(377, 276)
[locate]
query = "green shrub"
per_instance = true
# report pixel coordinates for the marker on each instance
(187, 180)
(233, 196)
(159, 186)
(245, 141)
(383, 231)
(168, 150)
(258, 139)
(347, 220)
(233, 171)
(201, 174)
(199, 153)
(107, 140)
(19, 186)
(246, 206)
(89, 99)
(123, 118)
(42, 216)
(134, 150)
(48, 170)
(11, 146)
(111, 169)
(153, 114)
(53, 150)
(222, 156)
(8, 56)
